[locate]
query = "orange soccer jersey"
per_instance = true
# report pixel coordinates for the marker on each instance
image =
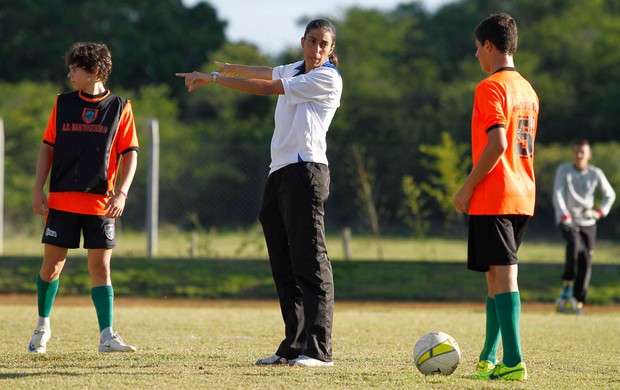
(505, 99)
(89, 135)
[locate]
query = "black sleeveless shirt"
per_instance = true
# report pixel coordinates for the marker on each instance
(86, 127)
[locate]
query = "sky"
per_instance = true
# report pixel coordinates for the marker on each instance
(272, 24)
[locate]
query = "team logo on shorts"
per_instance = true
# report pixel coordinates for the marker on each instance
(89, 115)
(109, 231)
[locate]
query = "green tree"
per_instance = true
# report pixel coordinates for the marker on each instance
(448, 163)
(25, 116)
(369, 43)
(150, 41)
(409, 77)
(227, 115)
(148, 103)
(570, 54)
(415, 210)
(224, 152)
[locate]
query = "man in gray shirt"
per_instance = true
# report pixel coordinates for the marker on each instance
(573, 199)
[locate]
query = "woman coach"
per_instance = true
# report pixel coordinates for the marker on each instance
(292, 212)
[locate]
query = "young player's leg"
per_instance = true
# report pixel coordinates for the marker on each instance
(503, 280)
(54, 260)
(587, 235)
(307, 191)
(102, 292)
(493, 245)
(289, 294)
(99, 239)
(572, 239)
(508, 306)
(488, 357)
(477, 260)
(62, 231)
(492, 334)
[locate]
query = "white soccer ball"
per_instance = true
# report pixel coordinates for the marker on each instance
(436, 353)
(566, 305)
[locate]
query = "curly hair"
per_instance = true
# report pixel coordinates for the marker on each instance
(501, 30)
(92, 57)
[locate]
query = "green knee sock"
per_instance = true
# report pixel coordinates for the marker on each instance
(103, 298)
(491, 341)
(46, 292)
(509, 313)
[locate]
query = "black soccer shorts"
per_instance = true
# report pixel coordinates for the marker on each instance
(63, 229)
(494, 240)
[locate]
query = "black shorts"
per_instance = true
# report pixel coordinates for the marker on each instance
(494, 240)
(63, 229)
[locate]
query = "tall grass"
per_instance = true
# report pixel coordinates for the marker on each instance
(214, 345)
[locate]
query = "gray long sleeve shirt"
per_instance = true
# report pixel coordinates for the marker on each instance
(574, 193)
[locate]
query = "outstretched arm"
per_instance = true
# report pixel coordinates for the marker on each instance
(195, 80)
(254, 79)
(249, 72)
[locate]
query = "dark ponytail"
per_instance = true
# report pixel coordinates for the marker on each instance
(333, 59)
(324, 24)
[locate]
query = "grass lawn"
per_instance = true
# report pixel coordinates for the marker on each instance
(251, 245)
(201, 344)
(398, 281)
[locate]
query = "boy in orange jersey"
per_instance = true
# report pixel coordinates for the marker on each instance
(89, 132)
(499, 193)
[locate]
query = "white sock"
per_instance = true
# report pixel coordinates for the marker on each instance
(106, 334)
(43, 322)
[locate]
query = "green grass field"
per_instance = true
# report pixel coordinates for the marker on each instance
(197, 343)
(202, 344)
(251, 245)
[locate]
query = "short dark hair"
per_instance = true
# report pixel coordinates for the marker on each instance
(580, 142)
(501, 30)
(324, 24)
(91, 57)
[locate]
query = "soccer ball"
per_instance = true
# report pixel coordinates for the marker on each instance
(436, 353)
(566, 305)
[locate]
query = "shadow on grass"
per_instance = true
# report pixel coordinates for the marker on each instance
(354, 280)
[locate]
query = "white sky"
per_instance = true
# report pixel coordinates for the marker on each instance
(272, 24)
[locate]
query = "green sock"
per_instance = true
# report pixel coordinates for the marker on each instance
(509, 313)
(491, 341)
(46, 292)
(103, 298)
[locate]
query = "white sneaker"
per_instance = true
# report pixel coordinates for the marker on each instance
(40, 337)
(115, 344)
(307, 361)
(272, 360)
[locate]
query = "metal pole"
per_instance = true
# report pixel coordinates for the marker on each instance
(346, 243)
(1, 186)
(152, 190)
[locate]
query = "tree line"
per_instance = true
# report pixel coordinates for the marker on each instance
(409, 77)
